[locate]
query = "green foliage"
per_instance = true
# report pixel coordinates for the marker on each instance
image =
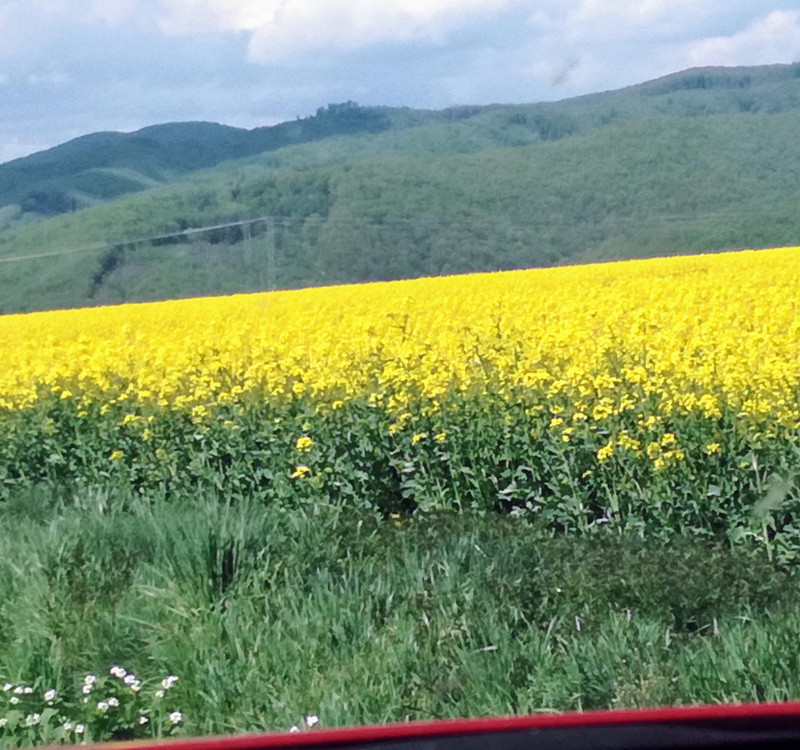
(695, 476)
(268, 613)
(117, 706)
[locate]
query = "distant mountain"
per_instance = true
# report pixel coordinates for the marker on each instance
(102, 166)
(702, 160)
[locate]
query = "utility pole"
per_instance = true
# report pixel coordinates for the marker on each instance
(271, 273)
(247, 235)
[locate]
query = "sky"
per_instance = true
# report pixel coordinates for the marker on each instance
(71, 67)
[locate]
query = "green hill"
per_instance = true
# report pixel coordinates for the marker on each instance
(698, 161)
(102, 166)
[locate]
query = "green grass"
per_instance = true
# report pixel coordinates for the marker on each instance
(267, 614)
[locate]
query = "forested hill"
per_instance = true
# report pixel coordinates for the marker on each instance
(102, 166)
(703, 160)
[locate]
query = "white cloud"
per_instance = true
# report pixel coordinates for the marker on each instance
(113, 12)
(15, 147)
(774, 38)
(51, 79)
(578, 46)
(284, 30)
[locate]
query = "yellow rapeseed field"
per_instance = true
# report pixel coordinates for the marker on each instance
(686, 333)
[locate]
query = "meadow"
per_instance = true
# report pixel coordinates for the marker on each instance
(498, 493)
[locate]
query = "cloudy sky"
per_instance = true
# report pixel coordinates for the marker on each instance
(70, 67)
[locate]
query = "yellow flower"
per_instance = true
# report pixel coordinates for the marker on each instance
(653, 451)
(304, 444)
(605, 452)
(440, 437)
(116, 455)
(300, 472)
(199, 413)
(713, 448)
(416, 438)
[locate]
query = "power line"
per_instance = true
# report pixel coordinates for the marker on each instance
(532, 223)
(136, 241)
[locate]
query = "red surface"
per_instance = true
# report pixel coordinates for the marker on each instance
(346, 735)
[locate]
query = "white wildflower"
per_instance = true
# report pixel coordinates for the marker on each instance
(8, 686)
(294, 729)
(103, 706)
(13, 700)
(27, 690)
(129, 678)
(136, 686)
(169, 682)
(159, 693)
(3, 721)
(312, 720)
(143, 720)
(31, 720)
(113, 701)
(175, 717)
(80, 728)
(19, 690)
(118, 671)
(50, 696)
(90, 679)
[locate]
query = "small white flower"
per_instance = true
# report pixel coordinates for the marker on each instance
(27, 690)
(68, 726)
(294, 729)
(159, 693)
(118, 671)
(3, 721)
(86, 689)
(31, 720)
(113, 701)
(312, 720)
(8, 686)
(175, 717)
(80, 728)
(19, 690)
(13, 700)
(102, 706)
(129, 678)
(50, 696)
(90, 679)
(136, 686)
(143, 720)
(168, 682)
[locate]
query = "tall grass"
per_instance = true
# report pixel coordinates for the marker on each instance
(268, 614)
